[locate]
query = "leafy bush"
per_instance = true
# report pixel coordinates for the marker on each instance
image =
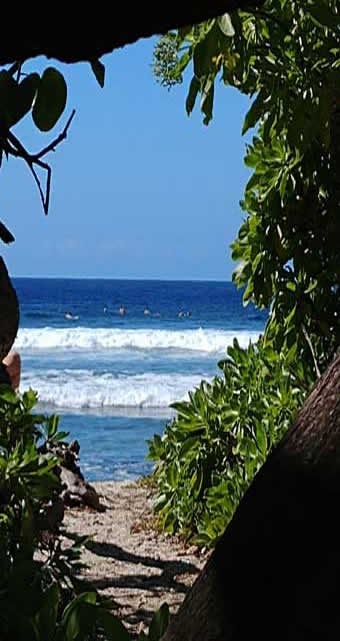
(40, 597)
(219, 439)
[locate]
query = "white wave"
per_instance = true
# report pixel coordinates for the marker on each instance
(79, 389)
(83, 338)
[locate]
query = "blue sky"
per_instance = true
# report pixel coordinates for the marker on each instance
(139, 190)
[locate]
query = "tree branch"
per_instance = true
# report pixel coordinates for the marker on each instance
(310, 345)
(58, 140)
(16, 148)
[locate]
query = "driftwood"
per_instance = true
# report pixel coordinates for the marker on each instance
(275, 574)
(9, 312)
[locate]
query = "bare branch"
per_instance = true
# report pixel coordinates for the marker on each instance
(16, 148)
(58, 140)
(310, 345)
(36, 178)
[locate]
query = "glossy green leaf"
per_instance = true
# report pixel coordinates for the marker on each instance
(192, 95)
(159, 623)
(205, 52)
(226, 25)
(114, 629)
(254, 114)
(261, 438)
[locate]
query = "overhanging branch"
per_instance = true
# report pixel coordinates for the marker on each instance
(92, 35)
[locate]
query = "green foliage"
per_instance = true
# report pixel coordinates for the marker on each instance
(167, 66)
(41, 598)
(158, 625)
(286, 57)
(210, 452)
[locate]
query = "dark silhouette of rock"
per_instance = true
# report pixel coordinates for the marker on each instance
(76, 491)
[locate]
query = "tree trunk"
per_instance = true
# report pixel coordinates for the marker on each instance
(9, 312)
(275, 574)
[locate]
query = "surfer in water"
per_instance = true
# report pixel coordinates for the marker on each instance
(69, 316)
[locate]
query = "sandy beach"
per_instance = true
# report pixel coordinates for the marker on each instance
(128, 561)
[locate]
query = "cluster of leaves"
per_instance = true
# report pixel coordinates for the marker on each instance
(40, 596)
(44, 96)
(286, 55)
(210, 452)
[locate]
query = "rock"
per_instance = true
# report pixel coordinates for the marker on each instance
(76, 491)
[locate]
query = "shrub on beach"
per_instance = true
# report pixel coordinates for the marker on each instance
(220, 437)
(41, 598)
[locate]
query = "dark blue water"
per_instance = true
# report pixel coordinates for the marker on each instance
(111, 377)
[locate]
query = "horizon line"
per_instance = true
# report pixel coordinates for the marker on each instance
(138, 278)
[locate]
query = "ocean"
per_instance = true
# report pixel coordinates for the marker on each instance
(110, 356)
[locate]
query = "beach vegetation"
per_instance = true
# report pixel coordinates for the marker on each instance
(285, 56)
(42, 596)
(220, 437)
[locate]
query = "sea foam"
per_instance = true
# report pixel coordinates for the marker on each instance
(79, 389)
(88, 339)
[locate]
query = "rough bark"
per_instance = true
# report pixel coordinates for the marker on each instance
(275, 574)
(90, 35)
(9, 312)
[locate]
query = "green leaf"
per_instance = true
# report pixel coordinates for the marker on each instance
(261, 438)
(47, 616)
(205, 52)
(8, 394)
(114, 629)
(322, 16)
(190, 443)
(226, 26)
(79, 617)
(159, 623)
(52, 426)
(207, 101)
(254, 113)
(99, 71)
(183, 62)
(230, 416)
(192, 95)
(51, 99)
(312, 285)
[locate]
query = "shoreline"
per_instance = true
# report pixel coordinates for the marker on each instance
(135, 566)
